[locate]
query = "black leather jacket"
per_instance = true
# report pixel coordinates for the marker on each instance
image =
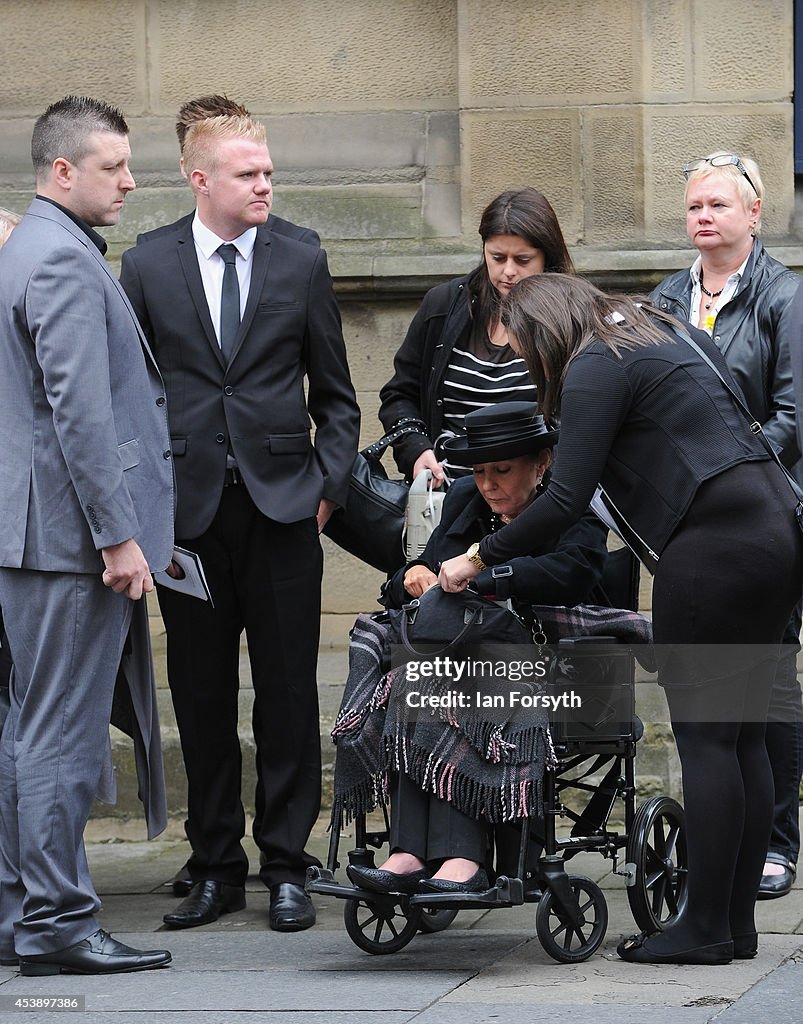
(755, 333)
(415, 389)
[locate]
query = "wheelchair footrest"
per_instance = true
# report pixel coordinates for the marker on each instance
(507, 892)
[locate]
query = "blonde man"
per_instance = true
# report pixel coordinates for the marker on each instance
(238, 317)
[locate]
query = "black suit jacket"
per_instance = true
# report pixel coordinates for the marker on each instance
(275, 224)
(256, 405)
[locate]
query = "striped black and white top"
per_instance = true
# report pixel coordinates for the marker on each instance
(479, 374)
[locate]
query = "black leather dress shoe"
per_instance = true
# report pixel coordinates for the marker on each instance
(98, 954)
(291, 910)
(205, 903)
(181, 883)
(477, 883)
(379, 880)
(773, 886)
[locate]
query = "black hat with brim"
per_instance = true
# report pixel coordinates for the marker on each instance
(500, 432)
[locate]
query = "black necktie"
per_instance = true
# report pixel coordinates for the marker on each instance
(229, 301)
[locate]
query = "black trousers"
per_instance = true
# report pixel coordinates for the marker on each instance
(785, 744)
(433, 829)
(729, 576)
(265, 578)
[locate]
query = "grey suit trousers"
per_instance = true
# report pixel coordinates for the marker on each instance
(66, 634)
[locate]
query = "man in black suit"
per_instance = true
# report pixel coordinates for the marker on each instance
(253, 494)
(191, 113)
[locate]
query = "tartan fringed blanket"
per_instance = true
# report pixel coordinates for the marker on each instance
(558, 622)
(628, 627)
(489, 770)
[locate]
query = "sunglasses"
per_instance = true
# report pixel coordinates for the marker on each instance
(725, 160)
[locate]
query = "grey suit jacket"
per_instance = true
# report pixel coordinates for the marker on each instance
(85, 441)
(83, 422)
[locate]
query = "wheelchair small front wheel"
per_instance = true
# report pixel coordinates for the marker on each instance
(657, 847)
(380, 929)
(433, 920)
(564, 941)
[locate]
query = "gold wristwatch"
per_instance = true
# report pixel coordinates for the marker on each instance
(473, 555)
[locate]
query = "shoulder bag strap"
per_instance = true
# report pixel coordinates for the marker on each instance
(755, 426)
(406, 425)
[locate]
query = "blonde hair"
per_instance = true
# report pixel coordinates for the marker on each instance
(202, 141)
(747, 192)
(8, 221)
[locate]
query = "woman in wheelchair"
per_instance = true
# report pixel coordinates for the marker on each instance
(434, 846)
(645, 411)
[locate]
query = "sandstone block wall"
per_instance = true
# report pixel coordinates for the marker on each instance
(393, 124)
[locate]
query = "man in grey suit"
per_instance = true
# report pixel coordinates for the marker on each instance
(86, 505)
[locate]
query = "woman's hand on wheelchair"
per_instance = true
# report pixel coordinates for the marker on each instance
(456, 574)
(418, 579)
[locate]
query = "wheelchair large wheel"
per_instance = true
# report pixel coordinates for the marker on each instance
(380, 929)
(657, 847)
(563, 941)
(433, 920)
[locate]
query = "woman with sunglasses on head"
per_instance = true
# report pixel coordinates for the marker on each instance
(647, 416)
(455, 356)
(741, 296)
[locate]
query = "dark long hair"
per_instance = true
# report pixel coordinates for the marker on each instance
(527, 213)
(553, 317)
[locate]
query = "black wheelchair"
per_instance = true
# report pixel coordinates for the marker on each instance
(592, 775)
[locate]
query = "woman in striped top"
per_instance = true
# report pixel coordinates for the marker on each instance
(456, 356)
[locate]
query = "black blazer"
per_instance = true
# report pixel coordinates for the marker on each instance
(566, 571)
(275, 224)
(256, 405)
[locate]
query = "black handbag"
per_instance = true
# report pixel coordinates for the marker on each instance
(371, 525)
(447, 621)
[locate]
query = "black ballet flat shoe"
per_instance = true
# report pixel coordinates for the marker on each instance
(634, 951)
(379, 880)
(745, 947)
(772, 887)
(477, 883)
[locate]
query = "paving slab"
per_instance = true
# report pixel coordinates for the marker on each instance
(366, 1016)
(775, 998)
(528, 976)
(230, 992)
(504, 1013)
(487, 967)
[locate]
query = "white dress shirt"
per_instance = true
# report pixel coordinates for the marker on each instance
(211, 265)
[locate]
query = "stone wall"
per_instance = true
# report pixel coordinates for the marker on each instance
(393, 123)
